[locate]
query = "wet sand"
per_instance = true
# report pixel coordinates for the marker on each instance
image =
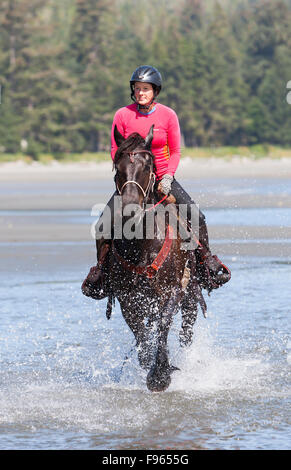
(65, 186)
(79, 186)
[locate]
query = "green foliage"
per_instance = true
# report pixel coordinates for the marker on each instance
(65, 70)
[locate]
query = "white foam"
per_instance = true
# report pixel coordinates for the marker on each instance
(208, 368)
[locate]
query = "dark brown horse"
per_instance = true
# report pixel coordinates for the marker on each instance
(152, 277)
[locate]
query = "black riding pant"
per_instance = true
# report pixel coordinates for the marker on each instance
(182, 197)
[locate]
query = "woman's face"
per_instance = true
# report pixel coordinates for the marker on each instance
(143, 93)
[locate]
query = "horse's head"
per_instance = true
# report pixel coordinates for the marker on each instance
(134, 164)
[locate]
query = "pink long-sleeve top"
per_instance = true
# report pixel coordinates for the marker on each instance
(166, 141)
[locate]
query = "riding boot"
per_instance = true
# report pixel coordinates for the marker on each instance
(213, 273)
(94, 285)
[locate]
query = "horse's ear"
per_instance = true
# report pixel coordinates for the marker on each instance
(118, 137)
(149, 138)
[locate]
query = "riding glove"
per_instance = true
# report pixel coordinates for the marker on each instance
(165, 184)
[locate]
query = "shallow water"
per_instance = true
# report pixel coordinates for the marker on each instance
(62, 384)
(239, 186)
(63, 380)
(281, 217)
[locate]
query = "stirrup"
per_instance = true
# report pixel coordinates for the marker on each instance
(222, 274)
(96, 283)
(212, 272)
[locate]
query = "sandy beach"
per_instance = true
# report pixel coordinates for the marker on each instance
(48, 181)
(213, 183)
(188, 168)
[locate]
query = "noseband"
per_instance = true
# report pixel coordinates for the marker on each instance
(152, 175)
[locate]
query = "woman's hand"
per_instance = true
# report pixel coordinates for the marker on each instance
(165, 184)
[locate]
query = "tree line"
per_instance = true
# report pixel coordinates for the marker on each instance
(65, 70)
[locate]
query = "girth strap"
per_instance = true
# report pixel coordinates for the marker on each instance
(150, 270)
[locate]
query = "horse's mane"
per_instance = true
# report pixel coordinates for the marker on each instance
(133, 141)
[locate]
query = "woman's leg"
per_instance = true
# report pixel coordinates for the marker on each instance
(182, 197)
(218, 272)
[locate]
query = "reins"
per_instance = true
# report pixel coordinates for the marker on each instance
(157, 203)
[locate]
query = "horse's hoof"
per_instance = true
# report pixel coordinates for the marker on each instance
(158, 383)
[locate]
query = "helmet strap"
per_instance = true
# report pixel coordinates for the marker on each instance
(145, 106)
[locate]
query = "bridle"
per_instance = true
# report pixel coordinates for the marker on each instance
(152, 177)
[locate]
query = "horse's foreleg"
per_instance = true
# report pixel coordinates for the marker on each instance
(189, 307)
(189, 316)
(158, 378)
(142, 333)
(134, 321)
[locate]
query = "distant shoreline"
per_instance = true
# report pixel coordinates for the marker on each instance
(189, 168)
(252, 152)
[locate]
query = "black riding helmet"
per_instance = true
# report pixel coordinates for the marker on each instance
(146, 74)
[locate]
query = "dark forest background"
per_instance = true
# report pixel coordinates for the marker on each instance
(65, 68)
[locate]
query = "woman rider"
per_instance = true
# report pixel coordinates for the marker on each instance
(145, 85)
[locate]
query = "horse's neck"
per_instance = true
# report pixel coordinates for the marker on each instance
(133, 251)
(144, 248)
